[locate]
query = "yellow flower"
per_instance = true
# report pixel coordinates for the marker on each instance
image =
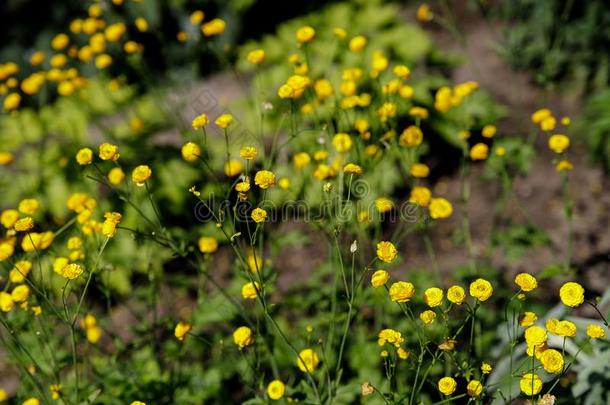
(264, 179)
(357, 43)
(566, 121)
(386, 111)
(419, 170)
(259, 215)
(527, 319)
(214, 27)
(427, 316)
(390, 336)
(200, 121)
(141, 24)
(418, 112)
(276, 390)
(109, 151)
(526, 282)
(29, 206)
(255, 261)
(71, 271)
(248, 152)
(486, 368)
(402, 291)
(424, 14)
(383, 204)
(535, 336)
(402, 71)
(190, 151)
(305, 34)
(196, 17)
(474, 388)
(500, 151)
(420, 196)
(540, 115)
(323, 88)
(352, 168)
(207, 244)
(116, 176)
(233, 167)
(548, 124)
(480, 151)
(37, 241)
(224, 120)
(552, 361)
(24, 224)
(243, 186)
(386, 251)
(558, 143)
(595, 331)
(564, 165)
(12, 101)
(411, 136)
(572, 294)
(6, 302)
(84, 156)
(94, 334)
(440, 208)
(447, 385)
(301, 160)
(481, 289)
(140, 174)
(31, 401)
(8, 218)
(342, 142)
(456, 294)
(433, 297)
(530, 384)
(20, 271)
(379, 278)
(339, 32)
(489, 131)
(256, 56)
(6, 158)
(112, 219)
(59, 42)
(249, 290)
(103, 61)
(308, 360)
(561, 328)
(243, 337)
(20, 293)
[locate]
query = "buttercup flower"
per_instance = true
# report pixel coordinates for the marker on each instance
(530, 384)
(427, 316)
(420, 196)
(456, 294)
(433, 297)
(526, 282)
(200, 121)
(386, 251)
(595, 331)
(411, 136)
(352, 168)
(440, 208)
(111, 221)
(259, 215)
(447, 385)
(305, 34)
(357, 43)
(190, 151)
(402, 291)
(419, 170)
(479, 151)
(481, 289)
(214, 27)
(116, 176)
(248, 152)
(24, 224)
(572, 294)
(256, 56)
(424, 14)
(486, 368)
(474, 388)
(223, 121)
(527, 319)
(233, 167)
(264, 179)
(552, 361)
(140, 174)
(489, 131)
(84, 156)
(308, 360)
(342, 142)
(243, 336)
(71, 271)
(248, 290)
(390, 336)
(182, 329)
(535, 336)
(276, 390)
(379, 278)
(558, 143)
(207, 244)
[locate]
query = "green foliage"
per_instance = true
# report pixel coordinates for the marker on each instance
(593, 128)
